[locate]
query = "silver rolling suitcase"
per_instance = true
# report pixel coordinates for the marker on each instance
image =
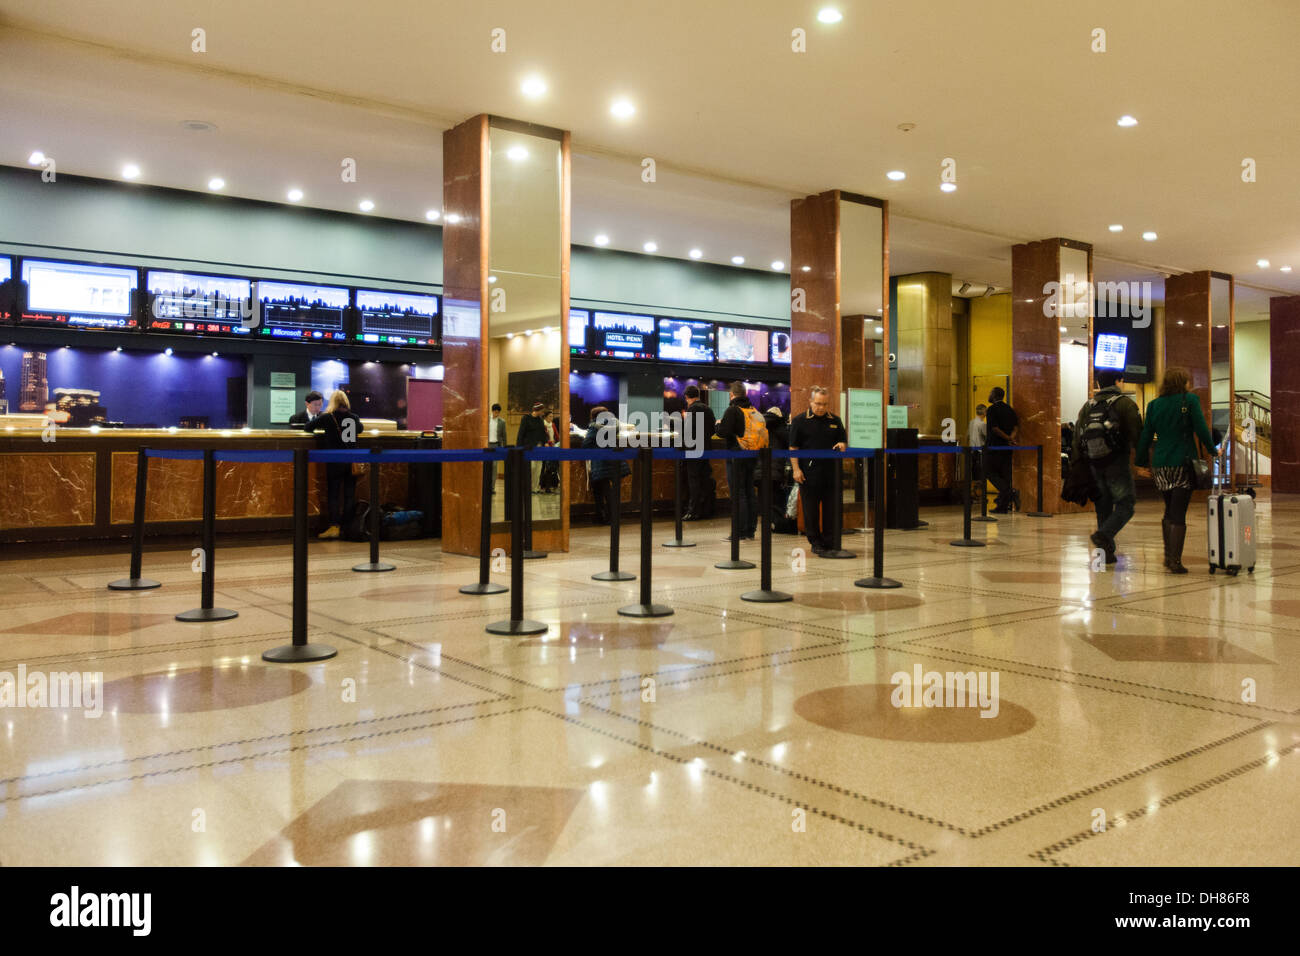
(1231, 529)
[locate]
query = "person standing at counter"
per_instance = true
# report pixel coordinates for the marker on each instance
(333, 431)
(818, 478)
(310, 409)
(700, 488)
(533, 432)
(743, 426)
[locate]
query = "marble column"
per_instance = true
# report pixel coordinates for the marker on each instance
(923, 306)
(1284, 362)
(1187, 330)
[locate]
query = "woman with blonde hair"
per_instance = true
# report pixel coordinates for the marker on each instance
(333, 431)
(1174, 422)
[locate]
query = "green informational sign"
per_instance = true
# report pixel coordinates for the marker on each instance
(864, 418)
(284, 403)
(283, 380)
(897, 416)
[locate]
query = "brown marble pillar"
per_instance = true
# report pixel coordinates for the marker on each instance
(815, 284)
(1187, 330)
(1284, 362)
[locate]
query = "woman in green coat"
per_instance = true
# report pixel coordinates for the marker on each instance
(1174, 421)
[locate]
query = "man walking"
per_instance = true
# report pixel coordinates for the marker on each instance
(1105, 435)
(743, 426)
(818, 478)
(1003, 426)
(699, 471)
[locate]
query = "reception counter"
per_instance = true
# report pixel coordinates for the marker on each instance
(81, 484)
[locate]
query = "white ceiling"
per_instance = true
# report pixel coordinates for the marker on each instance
(736, 123)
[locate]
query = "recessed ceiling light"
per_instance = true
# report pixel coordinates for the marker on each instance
(365, 205)
(517, 153)
(1116, 228)
(738, 260)
(533, 87)
(1126, 120)
(948, 187)
(880, 330)
(130, 171)
(896, 175)
(491, 279)
(778, 265)
(216, 182)
(1064, 329)
(36, 158)
(510, 335)
(829, 15)
(432, 214)
(622, 108)
(294, 195)
(1262, 263)
(453, 217)
(601, 240)
(695, 253)
(1149, 236)
(651, 247)
(1284, 269)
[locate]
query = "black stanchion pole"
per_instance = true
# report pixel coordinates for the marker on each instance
(677, 541)
(836, 508)
(133, 581)
(765, 594)
(613, 496)
(484, 585)
(527, 482)
(734, 563)
(984, 515)
(205, 611)
(878, 581)
(966, 540)
(299, 651)
(1039, 512)
(374, 564)
(646, 608)
(517, 488)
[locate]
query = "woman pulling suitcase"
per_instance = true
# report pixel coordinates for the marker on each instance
(1174, 421)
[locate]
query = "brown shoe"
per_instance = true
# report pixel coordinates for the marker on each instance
(1177, 535)
(331, 532)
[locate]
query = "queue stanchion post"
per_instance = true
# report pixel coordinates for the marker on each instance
(645, 607)
(878, 581)
(765, 594)
(613, 502)
(966, 540)
(984, 515)
(134, 581)
(1038, 512)
(734, 563)
(518, 489)
(678, 478)
(208, 545)
(836, 508)
(374, 564)
(527, 482)
(484, 584)
(299, 651)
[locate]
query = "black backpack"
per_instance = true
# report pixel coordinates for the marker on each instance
(1102, 434)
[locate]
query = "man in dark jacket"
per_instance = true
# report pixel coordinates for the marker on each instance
(699, 471)
(1105, 436)
(532, 432)
(603, 433)
(1003, 425)
(740, 471)
(311, 406)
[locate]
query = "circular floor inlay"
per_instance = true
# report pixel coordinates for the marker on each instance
(868, 711)
(203, 689)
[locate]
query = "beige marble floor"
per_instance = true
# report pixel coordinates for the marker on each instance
(1138, 718)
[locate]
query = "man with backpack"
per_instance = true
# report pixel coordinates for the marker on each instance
(743, 427)
(1105, 436)
(818, 478)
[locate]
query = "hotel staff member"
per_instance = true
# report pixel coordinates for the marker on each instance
(311, 408)
(818, 478)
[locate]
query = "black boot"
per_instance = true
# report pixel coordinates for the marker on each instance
(1164, 534)
(1177, 535)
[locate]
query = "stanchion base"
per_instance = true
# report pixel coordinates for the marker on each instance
(966, 543)
(766, 597)
(678, 543)
(534, 555)
(645, 610)
(1038, 514)
(484, 587)
(840, 554)
(735, 565)
(517, 628)
(877, 583)
(844, 531)
(207, 614)
(299, 653)
(134, 584)
(984, 518)
(613, 576)
(376, 566)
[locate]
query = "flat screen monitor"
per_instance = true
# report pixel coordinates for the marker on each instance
(742, 345)
(6, 288)
(782, 347)
(182, 303)
(307, 313)
(78, 295)
(579, 320)
(617, 335)
(685, 340)
(1112, 351)
(397, 318)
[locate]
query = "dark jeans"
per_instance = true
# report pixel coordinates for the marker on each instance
(699, 494)
(340, 492)
(1116, 495)
(997, 468)
(821, 483)
(740, 480)
(605, 496)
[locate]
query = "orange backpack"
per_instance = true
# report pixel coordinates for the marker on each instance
(755, 436)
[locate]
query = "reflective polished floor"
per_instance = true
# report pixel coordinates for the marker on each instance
(1130, 717)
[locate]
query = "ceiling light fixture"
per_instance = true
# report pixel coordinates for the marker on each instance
(365, 205)
(1064, 329)
(432, 214)
(1284, 269)
(948, 187)
(601, 240)
(36, 158)
(778, 265)
(1116, 228)
(491, 279)
(130, 171)
(294, 195)
(965, 287)
(1126, 120)
(880, 330)
(1262, 263)
(695, 253)
(622, 108)
(829, 15)
(216, 182)
(533, 87)
(1149, 236)
(737, 260)
(651, 247)
(897, 175)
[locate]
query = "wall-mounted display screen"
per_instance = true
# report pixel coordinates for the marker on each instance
(616, 335)
(742, 345)
(185, 304)
(579, 320)
(6, 288)
(77, 294)
(1112, 351)
(312, 313)
(685, 340)
(782, 346)
(397, 318)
